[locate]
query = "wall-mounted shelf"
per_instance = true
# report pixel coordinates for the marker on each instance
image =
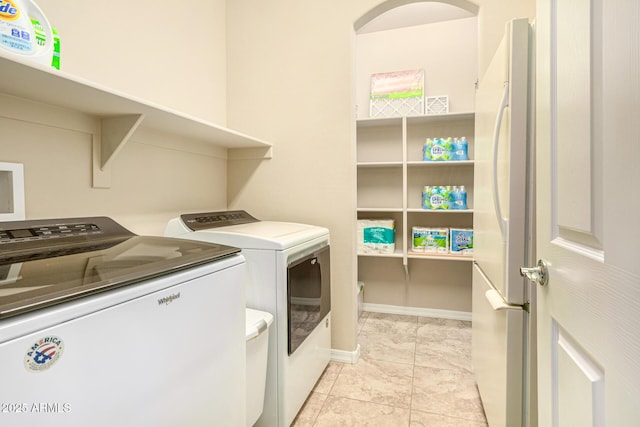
(119, 114)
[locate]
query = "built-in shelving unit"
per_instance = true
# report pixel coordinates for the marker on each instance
(120, 114)
(392, 173)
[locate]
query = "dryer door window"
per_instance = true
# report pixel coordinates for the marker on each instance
(308, 295)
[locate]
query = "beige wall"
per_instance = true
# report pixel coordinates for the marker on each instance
(280, 70)
(154, 178)
(290, 81)
(492, 17)
(175, 57)
(169, 53)
(446, 51)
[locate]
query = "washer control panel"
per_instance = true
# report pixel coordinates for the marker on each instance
(18, 238)
(48, 232)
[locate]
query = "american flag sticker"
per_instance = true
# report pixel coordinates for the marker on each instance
(43, 354)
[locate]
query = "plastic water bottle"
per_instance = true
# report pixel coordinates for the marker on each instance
(459, 198)
(426, 150)
(426, 195)
(460, 149)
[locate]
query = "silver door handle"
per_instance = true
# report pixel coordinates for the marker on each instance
(538, 274)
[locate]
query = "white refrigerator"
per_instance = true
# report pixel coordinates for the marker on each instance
(502, 230)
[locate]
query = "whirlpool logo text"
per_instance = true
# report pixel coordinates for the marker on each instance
(168, 300)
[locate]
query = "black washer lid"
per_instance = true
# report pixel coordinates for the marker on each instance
(48, 262)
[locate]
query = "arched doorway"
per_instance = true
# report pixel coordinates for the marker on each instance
(391, 175)
(391, 5)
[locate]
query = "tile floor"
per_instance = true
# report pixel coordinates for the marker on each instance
(413, 371)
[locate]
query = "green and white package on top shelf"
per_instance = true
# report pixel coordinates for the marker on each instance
(397, 93)
(376, 236)
(430, 240)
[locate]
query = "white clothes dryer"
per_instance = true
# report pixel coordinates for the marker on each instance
(288, 275)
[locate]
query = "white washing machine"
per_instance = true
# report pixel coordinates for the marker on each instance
(288, 272)
(101, 327)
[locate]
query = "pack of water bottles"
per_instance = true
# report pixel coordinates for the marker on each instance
(436, 197)
(445, 149)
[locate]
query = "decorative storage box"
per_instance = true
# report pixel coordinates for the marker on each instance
(399, 93)
(437, 104)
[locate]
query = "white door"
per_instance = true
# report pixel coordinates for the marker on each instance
(588, 211)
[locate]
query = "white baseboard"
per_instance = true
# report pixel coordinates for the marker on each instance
(417, 311)
(346, 356)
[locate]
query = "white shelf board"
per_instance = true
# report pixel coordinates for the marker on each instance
(379, 209)
(378, 121)
(442, 257)
(465, 115)
(55, 87)
(396, 254)
(391, 121)
(441, 211)
(427, 164)
(379, 164)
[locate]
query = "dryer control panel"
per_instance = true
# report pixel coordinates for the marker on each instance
(207, 220)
